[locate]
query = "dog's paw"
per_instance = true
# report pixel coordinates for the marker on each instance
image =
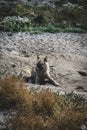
(57, 84)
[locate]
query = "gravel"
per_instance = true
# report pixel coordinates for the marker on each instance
(67, 55)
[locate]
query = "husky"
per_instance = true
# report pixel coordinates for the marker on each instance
(41, 74)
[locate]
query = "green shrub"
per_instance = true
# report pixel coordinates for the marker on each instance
(15, 24)
(22, 10)
(66, 16)
(40, 20)
(74, 30)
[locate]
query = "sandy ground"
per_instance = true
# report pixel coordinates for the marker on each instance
(67, 55)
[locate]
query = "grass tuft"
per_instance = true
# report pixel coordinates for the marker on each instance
(42, 110)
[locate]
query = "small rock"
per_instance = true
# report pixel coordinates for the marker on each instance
(79, 87)
(14, 53)
(13, 65)
(82, 73)
(83, 127)
(9, 49)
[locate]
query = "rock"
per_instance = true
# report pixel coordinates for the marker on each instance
(25, 74)
(82, 72)
(83, 127)
(12, 64)
(80, 87)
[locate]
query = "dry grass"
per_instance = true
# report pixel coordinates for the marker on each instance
(12, 92)
(43, 110)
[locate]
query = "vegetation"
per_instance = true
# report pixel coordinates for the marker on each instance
(40, 110)
(67, 16)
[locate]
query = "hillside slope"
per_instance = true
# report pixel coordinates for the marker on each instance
(67, 55)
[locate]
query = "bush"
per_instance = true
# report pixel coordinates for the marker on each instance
(22, 10)
(74, 30)
(40, 19)
(15, 24)
(41, 110)
(11, 91)
(66, 14)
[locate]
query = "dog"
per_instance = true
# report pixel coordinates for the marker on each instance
(41, 73)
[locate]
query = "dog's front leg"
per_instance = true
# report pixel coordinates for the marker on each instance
(51, 80)
(37, 78)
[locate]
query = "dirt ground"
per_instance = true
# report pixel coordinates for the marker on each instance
(66, 52)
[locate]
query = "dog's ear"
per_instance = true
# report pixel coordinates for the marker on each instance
(38, 57)
(45, 59)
